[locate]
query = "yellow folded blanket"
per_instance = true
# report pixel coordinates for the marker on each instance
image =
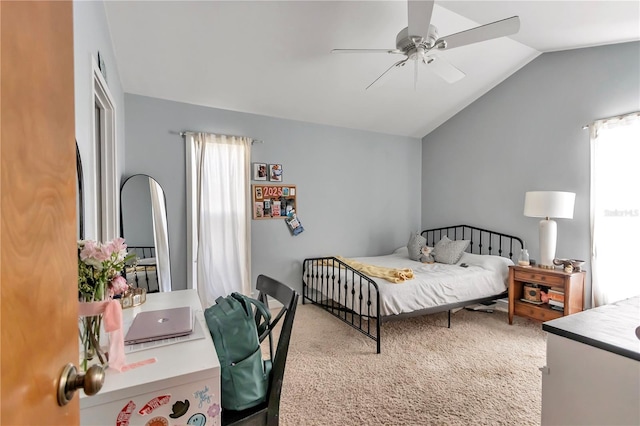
(393, 275)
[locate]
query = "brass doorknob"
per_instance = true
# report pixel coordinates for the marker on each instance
(70, 380)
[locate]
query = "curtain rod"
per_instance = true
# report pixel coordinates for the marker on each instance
(615, 117)
(187, 132)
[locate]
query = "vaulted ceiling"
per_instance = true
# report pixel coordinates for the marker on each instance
(273, 57)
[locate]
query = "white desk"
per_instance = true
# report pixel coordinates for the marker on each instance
(188, 370)
(592, 376)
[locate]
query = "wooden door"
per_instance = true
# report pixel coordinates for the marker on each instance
(38, 302)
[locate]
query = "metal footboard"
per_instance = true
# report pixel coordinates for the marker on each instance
(344, 292)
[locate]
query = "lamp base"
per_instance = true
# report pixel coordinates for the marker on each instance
(546, 266)
(548, 233)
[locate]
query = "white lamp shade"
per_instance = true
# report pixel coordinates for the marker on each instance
(555, 204)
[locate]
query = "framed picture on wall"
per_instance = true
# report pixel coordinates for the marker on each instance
(275, 172)
(259, 171)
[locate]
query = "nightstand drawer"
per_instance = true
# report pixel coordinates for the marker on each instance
(538, 278)
(525, 309)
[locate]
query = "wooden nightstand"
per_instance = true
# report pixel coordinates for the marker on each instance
(572, 283)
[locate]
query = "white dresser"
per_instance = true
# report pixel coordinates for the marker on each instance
(172, 382)
(592, 376)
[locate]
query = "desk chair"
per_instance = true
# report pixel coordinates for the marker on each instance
(268, 412)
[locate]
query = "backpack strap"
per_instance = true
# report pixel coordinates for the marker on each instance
(260, 307)
(224, 304)
(265, 321)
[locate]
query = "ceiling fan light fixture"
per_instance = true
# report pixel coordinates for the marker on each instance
(421, 36)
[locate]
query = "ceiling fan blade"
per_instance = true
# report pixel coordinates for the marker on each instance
(397, 64)
(420, 17)
(392, 51)
(496, 29)
(444, 69)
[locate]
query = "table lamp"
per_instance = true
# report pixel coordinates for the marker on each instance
(548, 204)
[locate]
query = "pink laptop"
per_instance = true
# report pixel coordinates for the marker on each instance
(160, 324)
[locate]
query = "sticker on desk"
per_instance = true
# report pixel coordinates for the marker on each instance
(179, 409)
(197, 419)
(153, 404)
(157, 421)
(213, 410)
(125, 414)
(202, 396)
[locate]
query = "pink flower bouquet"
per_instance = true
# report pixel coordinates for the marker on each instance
(99, 268)
(99, 279)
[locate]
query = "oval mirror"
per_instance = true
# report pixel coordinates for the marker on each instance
(143, 223)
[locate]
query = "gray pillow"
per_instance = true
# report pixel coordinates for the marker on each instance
(415, 244)
(449, 252)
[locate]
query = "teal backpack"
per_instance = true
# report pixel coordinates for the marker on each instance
(236, 333)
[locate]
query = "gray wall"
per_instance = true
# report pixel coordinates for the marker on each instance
(358, 192)
(90, 36)
(526, 134)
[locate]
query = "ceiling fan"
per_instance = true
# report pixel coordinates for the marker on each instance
(418, 40)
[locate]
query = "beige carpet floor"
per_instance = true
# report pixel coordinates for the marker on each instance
(482, 371)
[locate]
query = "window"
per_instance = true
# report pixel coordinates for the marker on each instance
(615, 206)
(218, 224)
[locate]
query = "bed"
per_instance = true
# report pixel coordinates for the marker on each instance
(366, 302)
(143, 274)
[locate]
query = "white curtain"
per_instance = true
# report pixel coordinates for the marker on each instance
(615, 207)
(160, 235)
(219, 219)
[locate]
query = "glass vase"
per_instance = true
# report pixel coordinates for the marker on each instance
(91, 351)
(90, 331)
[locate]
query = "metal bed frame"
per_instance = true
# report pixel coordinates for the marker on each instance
(323, 286)
(142, 278)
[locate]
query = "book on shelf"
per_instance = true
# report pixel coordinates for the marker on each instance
(533, 302)
(556, 303)
(555, 295)
(557, 308)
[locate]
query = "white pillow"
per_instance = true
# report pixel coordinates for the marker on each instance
(449, 252)
(490, 262)
(402, 251)
(414, 246)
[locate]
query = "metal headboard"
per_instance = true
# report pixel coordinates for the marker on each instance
(482, 241)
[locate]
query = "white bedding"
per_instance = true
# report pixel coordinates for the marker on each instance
(434, 284)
